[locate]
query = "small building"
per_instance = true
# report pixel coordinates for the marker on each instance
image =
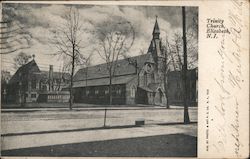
(30, 84)
(175, 87)
(5, 78)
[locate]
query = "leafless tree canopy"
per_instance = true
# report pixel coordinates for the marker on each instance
(174, 46)
(68, 41)
(21, 59)
(114, 39)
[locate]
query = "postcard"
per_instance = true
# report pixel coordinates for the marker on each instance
(125, 79)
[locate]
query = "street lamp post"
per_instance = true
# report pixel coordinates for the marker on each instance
(184, 69)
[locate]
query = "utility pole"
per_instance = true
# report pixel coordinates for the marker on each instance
(165, 72)
(184, 69)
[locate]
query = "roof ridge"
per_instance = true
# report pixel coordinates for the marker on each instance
(117, 61)
(53, 71)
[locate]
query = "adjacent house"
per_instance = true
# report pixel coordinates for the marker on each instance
(30, 84)
(175, 87)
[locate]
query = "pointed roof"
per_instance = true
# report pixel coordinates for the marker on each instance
(156, 27)
(28, 67)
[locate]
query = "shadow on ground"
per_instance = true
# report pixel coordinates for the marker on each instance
(176, 123)
(174, 145)
(70, 130)
(91, 129)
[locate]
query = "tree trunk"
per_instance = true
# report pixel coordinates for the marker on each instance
(184, 70)
(165, 78)
(110, 96)
(110, 88)
(71, 79)
(166, 90)
(86, 82)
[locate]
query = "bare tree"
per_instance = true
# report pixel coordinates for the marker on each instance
(21, 59)
(184, 54)
(61, 81)
(174, 44)
(174, 50)
(114, 39)
(68, 41)
(86, 65)
(166, 69)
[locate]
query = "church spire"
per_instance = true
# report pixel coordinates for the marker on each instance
(156, 31)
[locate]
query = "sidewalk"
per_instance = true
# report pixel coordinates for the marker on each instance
(65, 120)
(79, 108)
(77, 105)
(89, 108)
(37, 140)
(66, 105)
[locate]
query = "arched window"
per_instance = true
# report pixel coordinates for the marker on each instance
(133, 90)
(118, 90)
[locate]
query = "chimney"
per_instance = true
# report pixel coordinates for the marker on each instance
(50, 77)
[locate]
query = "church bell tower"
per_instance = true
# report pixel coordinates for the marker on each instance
(156, 31)
(156, 50)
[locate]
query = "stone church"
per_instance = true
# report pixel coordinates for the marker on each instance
(137, 80)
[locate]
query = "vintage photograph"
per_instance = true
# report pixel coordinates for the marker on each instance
(85, 80)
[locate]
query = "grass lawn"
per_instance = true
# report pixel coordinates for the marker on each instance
(174, 145)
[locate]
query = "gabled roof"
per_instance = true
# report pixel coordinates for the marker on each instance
(105, 81)
(32, 68)
(98, 74)
(123, 68)
(25, 69)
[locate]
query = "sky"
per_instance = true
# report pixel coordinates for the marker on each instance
(39, 20)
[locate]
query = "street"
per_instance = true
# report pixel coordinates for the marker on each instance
(24, 129)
